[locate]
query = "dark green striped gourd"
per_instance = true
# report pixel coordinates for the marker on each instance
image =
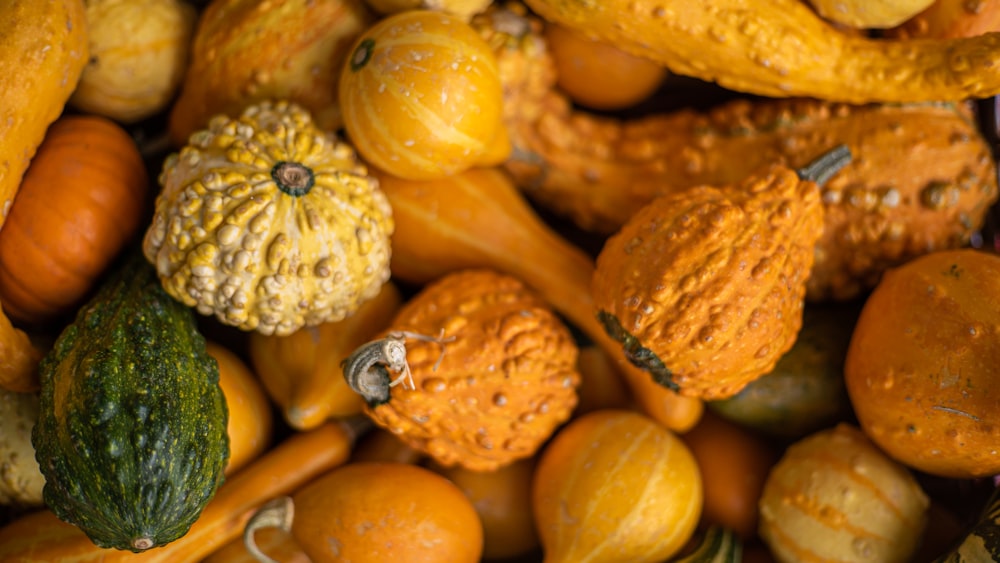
(719, 545)
(131, 435)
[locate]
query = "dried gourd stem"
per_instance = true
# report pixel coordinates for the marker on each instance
(276, 513)
(828, 164)
(365, 368)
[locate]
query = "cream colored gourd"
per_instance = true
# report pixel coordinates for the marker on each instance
(21, 481)
(269, 224)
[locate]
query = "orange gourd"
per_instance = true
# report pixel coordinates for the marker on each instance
(615, 486)
(251, 421)
(921, 366)
(734, 464)
(384, 446)
(275, 543)
(598, 74)
(377, 512)
(82, 199)
(301, 371)
(421, 96)
(602, 385)
(479, 219)
(502, 499)
(302, 457)
(18, 358)
(951, 18)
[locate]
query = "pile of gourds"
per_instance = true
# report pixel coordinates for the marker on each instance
(462, 280)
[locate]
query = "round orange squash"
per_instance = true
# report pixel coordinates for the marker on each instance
(615, 486)
(921, 368)
(421, 97)
(81, 200)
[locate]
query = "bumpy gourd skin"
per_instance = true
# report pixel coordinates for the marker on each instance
(131, 435)
(269, 224)
(781, 48)
(706, 287)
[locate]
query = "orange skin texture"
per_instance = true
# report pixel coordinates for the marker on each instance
(421, 97)
(83, 198)
(586, 68)
(734, 465)
(377, 512)
(247, 51)
(504, 383)
(921, 367)
(502, 499)
(783, 49)
(251, 421)
(945, 19)
(301, 371)
(614, 485)
(18, 358)
(712, 280)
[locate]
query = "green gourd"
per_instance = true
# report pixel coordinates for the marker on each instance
(131, 434)
(718, 545)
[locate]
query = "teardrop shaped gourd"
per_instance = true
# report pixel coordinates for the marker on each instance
(478, 219)
(834, 496)
(615, 486)
(269, 223)
(706, 287)
(421, 97)
(301, 371)
(83, 198)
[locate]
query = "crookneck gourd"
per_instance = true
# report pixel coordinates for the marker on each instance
(782, 48)
(269, 224)
(131, 432)
(598, 171)
(705, 288)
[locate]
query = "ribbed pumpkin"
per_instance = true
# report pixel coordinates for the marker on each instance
(421, 96)
(834, 496)
(269, 223)
(615, 486)
(83, 197)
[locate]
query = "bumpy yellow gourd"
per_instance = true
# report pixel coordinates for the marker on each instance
(269, 224)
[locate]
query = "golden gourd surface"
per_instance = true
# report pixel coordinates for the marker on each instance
(269, 224)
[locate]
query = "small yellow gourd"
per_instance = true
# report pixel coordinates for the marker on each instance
(269, 224)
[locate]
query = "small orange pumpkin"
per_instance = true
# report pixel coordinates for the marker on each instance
(421, 96)
(615, 486)
(82, 199)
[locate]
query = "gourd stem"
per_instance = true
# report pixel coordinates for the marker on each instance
(293, 178)
(828, 164)
(275, 513)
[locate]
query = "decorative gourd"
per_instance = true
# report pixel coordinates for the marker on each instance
(384, 446)
(951, 18)
(250, 422)
(477, 219)
(421, 97)
(18, 358)
(783, 49)
(834, 496)
(598, 75)
(138, 54)
(805, 391)
(379, 512)
(269, 224)
(131, 403)
(920, 369)
(705, 287)
(248, 51)
(502, 498)
(297, 460)
(21, 481)
(301, 371)
(45, 50)
(615, 486)
(717, 545)
(464, 9)
(734, 464)
(869, 14)
(488, 371)
(88, 184)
